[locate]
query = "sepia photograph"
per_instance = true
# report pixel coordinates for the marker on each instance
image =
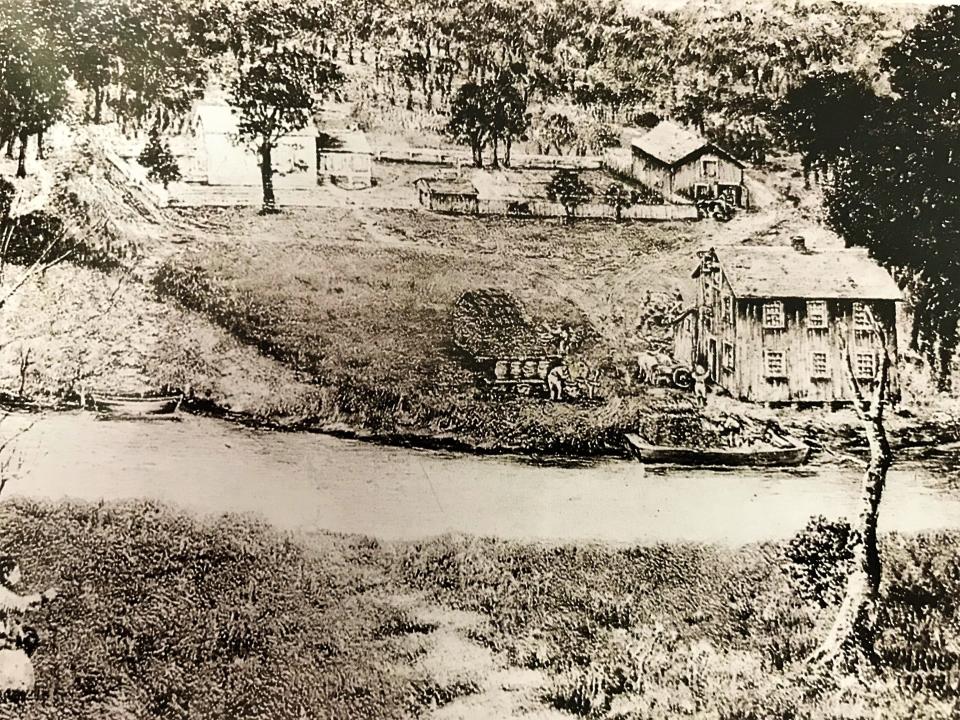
(479, 360)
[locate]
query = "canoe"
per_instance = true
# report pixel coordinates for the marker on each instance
(794, 454)
(136, 406)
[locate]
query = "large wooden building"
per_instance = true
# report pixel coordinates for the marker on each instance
(772, 323)
(674, 161)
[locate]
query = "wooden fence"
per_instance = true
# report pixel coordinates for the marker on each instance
(543, 208)
(458, 158)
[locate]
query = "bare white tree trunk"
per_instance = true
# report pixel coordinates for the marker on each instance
(851, 637)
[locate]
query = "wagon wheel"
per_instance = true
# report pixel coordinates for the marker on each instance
(682, 379)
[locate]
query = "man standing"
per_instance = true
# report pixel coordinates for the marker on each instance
(700, 375)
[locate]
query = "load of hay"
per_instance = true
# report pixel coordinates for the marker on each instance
(493, 323)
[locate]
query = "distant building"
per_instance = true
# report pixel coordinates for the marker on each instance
(771, 322)
(344, 157)
(674, 161)
(219, 158)
(447, 196)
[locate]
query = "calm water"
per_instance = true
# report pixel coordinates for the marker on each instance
(306, 481)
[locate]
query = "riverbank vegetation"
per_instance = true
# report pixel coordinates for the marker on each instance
(166, 616)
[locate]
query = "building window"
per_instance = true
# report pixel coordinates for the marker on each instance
(866, 365)
(774, 363)
(728, 356)
(861, 318)
(773, 314)
(728, 309)
(710, 169)
(817, 314)
(820, 367)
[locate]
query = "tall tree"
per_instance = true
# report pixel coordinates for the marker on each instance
(275, 95)
(851, 638)
(821, 117)
(33, 77)
(468, 120)
(506, 116)
(897, 187)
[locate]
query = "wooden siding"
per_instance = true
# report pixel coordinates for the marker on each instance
(654, 175)
(684, 178)
(713, 327)
(798, 344)
(744, 332)
(691, 173)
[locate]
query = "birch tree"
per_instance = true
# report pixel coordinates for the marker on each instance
(850, 640)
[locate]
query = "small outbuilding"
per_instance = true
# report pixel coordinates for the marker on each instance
(448, 196)
(775, 324)
(344, 158)
(675, 161)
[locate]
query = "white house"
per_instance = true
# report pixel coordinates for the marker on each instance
(218, 156)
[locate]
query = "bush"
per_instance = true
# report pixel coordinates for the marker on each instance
(159, 160)
(818, 560)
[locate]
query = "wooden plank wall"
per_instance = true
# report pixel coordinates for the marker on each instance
(798, 343)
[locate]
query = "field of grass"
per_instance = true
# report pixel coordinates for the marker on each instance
(162, 615)
(701, 632)
(360, 303)
(165, 616)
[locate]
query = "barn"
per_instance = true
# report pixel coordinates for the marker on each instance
(219, 158)
(774, 324)
(447, 195)
(674, 161)
(344, 157)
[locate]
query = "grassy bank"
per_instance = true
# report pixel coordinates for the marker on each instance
(165, 616)
(361, 305)
(692, 631)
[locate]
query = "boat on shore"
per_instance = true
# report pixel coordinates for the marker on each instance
(790, 452)
(132, 406)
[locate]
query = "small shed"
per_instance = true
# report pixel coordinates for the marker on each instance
(775, 324)
(447, 195)
(344, 158)
(672, 160)
(220, 158)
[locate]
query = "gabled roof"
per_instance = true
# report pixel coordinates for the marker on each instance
(782, 272)
(448, 186)
(220, 119)
(340, 140)
(671, 144)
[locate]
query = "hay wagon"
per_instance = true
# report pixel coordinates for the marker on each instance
(525, 375)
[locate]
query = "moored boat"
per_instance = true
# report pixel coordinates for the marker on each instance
(128, 405)
(793, 452)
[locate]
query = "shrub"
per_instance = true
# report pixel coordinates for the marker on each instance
(159, 160)
(818, 560)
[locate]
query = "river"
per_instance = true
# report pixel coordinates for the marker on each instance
(316, 482)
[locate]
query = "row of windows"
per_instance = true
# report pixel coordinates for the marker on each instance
(775, 364)
(818, 315)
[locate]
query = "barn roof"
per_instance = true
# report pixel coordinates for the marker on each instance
(341, 140)
(219, 119)
(778, 271)
(446, 186)
(671, 144)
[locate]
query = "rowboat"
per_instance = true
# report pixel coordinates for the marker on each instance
(124, 405)
(794, 452)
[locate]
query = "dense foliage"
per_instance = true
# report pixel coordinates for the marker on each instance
(895, 183)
